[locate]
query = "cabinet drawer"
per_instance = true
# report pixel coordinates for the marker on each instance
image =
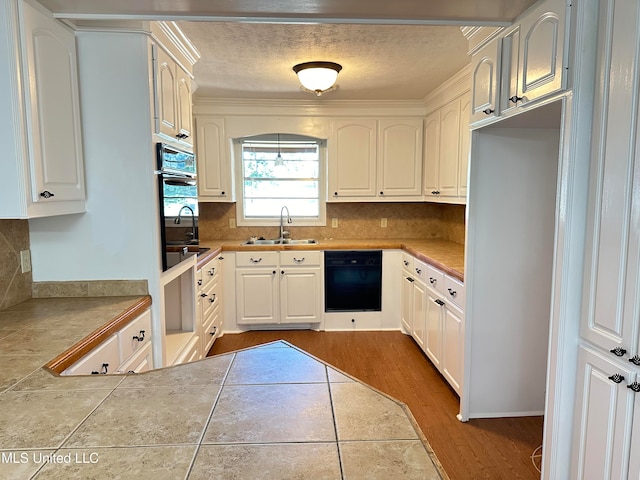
(407, 262)
(141, 361)
(420, 270)
(190, 352)
(134, 336)
(435, 279)
(454, 291)
(209, 274)
(102, 359)
(303, 258)
(256, 259)
(211, 299)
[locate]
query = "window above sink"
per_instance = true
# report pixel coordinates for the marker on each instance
(281, 169)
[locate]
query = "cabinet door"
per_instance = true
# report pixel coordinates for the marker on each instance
(214, 165)
(406, 312)
(257, 298)
(183, 97)
(434, 313)
(484, 82)
(613, 229)
(166, 91)
(419, 312)
(300, 295)
(431, 154)
(542, 51)
(465, 143)
(452, 343)
(399, 157)
(53, 109)
(602, 418)
(510, 91)
(352, 151)
(449, 149)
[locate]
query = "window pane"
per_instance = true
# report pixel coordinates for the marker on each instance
(172, 206)
(281, 173)
(261, 208)
(280, 189)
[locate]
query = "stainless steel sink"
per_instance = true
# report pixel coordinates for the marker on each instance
(306, 241)
(262, 242)
(277, 241)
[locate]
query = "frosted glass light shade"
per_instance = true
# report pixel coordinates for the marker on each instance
(317, 76)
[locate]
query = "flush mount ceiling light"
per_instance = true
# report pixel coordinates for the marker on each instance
(318, 77)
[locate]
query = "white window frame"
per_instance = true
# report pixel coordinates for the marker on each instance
(321, 221)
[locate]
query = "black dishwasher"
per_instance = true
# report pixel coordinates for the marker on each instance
(353, 280)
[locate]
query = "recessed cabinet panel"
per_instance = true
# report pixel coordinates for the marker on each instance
(434, 317)
(419, 312)
(484, 77)
(184, 105)
(352, 158)
(257, 296)
(453, 346)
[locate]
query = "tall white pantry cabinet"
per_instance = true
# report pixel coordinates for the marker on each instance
(607, 419)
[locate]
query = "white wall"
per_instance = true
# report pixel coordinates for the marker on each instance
(510, 249)
(117, 237)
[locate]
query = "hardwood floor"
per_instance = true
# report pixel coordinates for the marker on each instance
(493, 449)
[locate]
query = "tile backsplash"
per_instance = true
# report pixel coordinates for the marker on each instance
(15, 286)
(355, 220)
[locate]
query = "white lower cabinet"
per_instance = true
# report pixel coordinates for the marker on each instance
(607, 412)
(432, 314)
(278, 287)
(208, 303)
(128, 350)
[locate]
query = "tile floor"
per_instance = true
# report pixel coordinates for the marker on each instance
(269, 412)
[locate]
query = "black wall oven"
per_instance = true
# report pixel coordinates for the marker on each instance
(353, 280)
(178, 202)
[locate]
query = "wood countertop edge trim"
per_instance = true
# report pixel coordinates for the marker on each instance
(95, 338)
(207, 257)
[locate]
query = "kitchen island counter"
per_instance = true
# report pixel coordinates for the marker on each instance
(221, 417)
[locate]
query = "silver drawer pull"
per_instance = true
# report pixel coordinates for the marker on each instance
(255, 260)
(453, 293)
(298, 260)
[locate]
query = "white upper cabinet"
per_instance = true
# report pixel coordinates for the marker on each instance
(173, 98)
(375, 159)
(542, 51)
(484, 81)
(352, 158)
(525, 63)
(399, 157)
(446, 151)
(41, 110)
(215, 175)
(449, 149)
(431, 166)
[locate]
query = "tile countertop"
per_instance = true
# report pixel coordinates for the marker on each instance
(218, 417)
(443, 254)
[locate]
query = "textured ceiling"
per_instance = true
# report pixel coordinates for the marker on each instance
(242, 60)
(389, 49)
